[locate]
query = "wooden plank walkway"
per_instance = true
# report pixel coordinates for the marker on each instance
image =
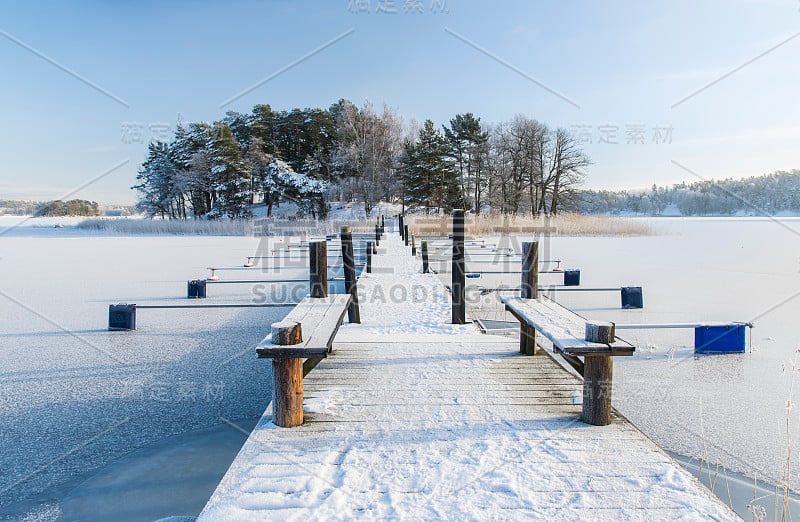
(413, 418)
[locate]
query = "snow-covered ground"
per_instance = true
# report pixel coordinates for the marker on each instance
(726, 409)
(75, 397)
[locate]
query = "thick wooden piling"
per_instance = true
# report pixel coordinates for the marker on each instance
(405, 234)
(377, 235)
(353, 314)
(369, 257)
(287, 374)
(459, 282)
(425, 266)
(413, 246)
(287, 397)
(529, 288)
(400, 224)
(318, 268)
(597, 377)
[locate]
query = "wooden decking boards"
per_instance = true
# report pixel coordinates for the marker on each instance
(404, 421)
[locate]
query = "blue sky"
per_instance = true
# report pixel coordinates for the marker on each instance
(85, 84)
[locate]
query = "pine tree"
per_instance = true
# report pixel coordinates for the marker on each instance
(231, 179)
(155, 179)
(430, 177)
(469, 148)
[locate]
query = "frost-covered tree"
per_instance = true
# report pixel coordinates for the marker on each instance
(369, 148)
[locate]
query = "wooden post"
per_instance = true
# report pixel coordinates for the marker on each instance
(287, 394)
(369, 257)
(529, 290)
(527, 340)
(599, 332)
(400, 224)
(377, 235)
(351, 287)
(383, 224)
(405, 234)
(425, 257)
(530, 270)
(413, 246)
(597, 375)
(459, 282)
(318, 268)
(287, 375)
(287, 333)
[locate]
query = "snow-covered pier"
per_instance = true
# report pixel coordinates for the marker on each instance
(412, 417)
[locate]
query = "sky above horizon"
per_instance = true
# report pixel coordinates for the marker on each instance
(657, 92)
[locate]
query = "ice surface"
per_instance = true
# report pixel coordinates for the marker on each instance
(727, 409)
(73, 401)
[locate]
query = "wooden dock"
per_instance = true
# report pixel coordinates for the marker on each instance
(414, 418)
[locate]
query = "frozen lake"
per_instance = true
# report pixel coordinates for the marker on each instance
(76, 397)
(723, 409)
(77, 401)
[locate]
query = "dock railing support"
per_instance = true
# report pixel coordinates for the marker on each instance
(353, 314)
(529, 289)
(287, 375)
(405, 234)
(400, 224)
(369, 257)
(458, 286)
(597, 377)
(318, 268)
(425, 257)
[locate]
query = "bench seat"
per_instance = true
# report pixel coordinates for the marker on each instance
(567, 331)
(564, 328)
(320, 319)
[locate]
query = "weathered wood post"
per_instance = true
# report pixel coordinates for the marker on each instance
(529, 289)
(318, 268)
(413, 246)
(400, 224)
(383, 224)
(597, 376)
(369, 257)
(287, 375)
(377, 235)
(425, 257)
(405, 234)
(350, 284)
(459, 281)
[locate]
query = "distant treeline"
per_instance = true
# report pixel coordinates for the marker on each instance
(18, 208)
(758, 195)
(73, 207)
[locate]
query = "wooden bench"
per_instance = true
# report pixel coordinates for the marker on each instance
(568, 333)
(311, 326)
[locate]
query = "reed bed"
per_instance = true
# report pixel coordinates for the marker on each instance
(559, 225)
(177, 227)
